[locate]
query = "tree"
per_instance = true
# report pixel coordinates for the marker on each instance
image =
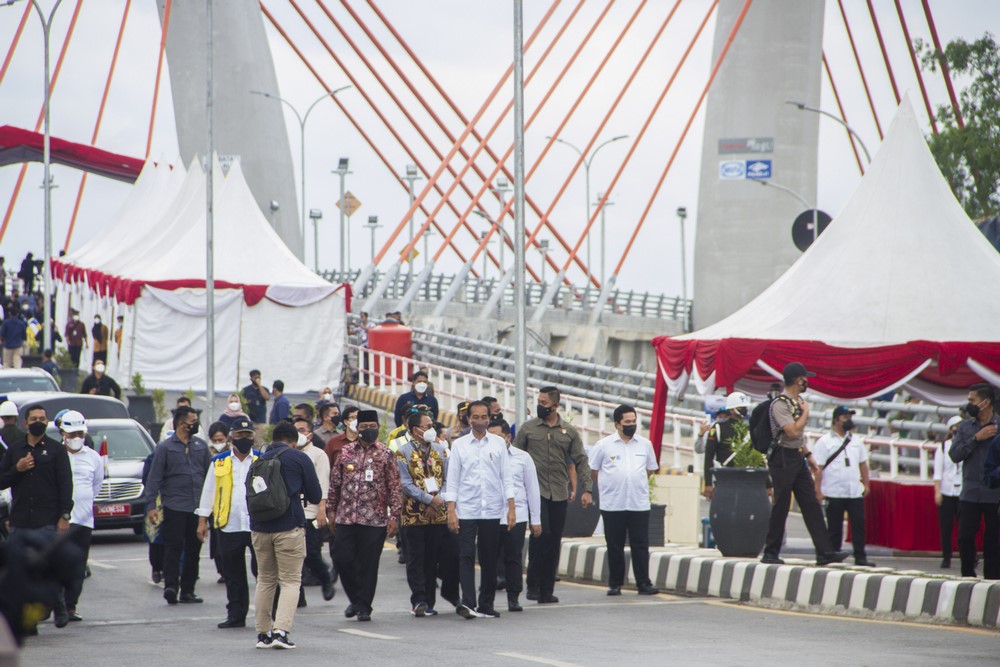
(969, 156)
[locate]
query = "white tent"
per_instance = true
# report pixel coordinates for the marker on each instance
(271, 311)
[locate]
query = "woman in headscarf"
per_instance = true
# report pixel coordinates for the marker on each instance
(234, 410)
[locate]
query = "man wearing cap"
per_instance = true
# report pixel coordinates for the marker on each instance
(718, 447)
(88, 476)
(789, 464)
(224, 498)
(363, 508)
(843, 480)
(11, 433)
(461, 426)
(947, 489)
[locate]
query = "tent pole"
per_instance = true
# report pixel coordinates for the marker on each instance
(209, 226)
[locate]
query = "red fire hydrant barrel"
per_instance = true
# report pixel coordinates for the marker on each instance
(395, 339)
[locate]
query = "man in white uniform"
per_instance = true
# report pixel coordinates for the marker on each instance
(947, 489)
(842, 479)
(620, 466)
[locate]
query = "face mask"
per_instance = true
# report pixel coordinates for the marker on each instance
(243, 445)
(352, 425)
(334, 419)
(234, 406)
(420, 387)
(849, 425)
(37, 429)
(99, 368)
(97, 320)
(76, 318)
(301, 442)
(497, 417)
(973, 409)
(430, 435)
(805, 386)
(327, 397)
(629, 430)
(193, 428)
(74, 444)
(369, 435)
(542, 411)
(218, 446)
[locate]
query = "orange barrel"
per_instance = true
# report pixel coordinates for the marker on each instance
(391, 338)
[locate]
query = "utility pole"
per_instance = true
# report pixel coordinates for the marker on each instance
(520, 322)
(682, 215)
(210, 216)
(604, 209)
(315, 215)
(342, 171)
(412, 176)
(372, 226)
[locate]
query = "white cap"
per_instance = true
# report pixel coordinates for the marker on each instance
(737, 399)
(73, 422)
(8, 409)
(951, 422)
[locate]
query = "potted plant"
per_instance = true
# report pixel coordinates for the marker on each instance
(657, 512)
(69, 375)
(140, 404)
(159, 397)
(740, 508)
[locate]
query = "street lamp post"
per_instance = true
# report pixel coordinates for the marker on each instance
(682, 215)
(302, 141)
(604, 209)
(482, 237)
(793, 193)
(805, 107)
(372, 226)
(543, 248)
(412, 175)
(586, 170)
(315, 215)
(501, 188)
(342, 172)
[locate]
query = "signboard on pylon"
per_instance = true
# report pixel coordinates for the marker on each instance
(349, 204)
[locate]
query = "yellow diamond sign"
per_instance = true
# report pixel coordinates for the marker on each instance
(349, 204)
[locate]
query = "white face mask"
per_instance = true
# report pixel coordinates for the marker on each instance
(327, 397)
(234, 406)
(301, 441)
(352, 425)
(74, 444)
(420, 387)
(99, 368)
(430, 435)
(76, 318)
(218, 446)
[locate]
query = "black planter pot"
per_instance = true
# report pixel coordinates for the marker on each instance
(140, 408)
(69, 380)
(31, 361)
(657, 534)
(155, 429)
(740, 511)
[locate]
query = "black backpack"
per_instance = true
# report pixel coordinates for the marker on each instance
(762, 435)
(271, 501)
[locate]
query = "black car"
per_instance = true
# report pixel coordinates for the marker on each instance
(89, 405)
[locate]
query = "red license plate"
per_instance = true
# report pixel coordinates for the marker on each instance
(121, 509)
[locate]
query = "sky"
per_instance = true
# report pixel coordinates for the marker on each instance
(466, 45)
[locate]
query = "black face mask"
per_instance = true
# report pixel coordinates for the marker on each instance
(629, 430)
(972, 409)
(37, 429)
(805, 386)
(369, 435)
(542, 411)
(193, 428)
(334, 419)
(849, 425)
(243, 445)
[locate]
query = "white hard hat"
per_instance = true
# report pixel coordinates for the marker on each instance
(73, 422)
(8, 409)
(737, 399)
(951, 422)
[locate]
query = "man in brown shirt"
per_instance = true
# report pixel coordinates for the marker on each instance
(76, 337)
(350, 434)
(790, 464)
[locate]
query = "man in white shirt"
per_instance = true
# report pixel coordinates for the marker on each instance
(621, 465)
(224, 497)
(88, 476)
(316, 521)
(842, 479)
(477, 487)
(947, 489)
(527, 507)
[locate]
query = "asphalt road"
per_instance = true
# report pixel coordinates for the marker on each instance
(126, 621)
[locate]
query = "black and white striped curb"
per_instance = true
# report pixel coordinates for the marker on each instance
(837, 590)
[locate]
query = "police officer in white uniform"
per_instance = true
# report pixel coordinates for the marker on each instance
(843, 480)
(947, 489)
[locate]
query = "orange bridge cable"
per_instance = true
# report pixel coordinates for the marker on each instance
(14, 42)
(861, 70)
(484, 145)
(680, 141)
(645, 127)
(159, 72)
(41, 115)
(432, 179)
(945, 70)
(97, 124)
(885, 55)
(843, 114)
(916, 67)
(538, 107)
(402, 107)
(347, 114)
(374, 107)
(580, 97)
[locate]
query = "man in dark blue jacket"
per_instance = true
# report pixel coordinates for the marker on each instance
(280, 544)
(420, 395)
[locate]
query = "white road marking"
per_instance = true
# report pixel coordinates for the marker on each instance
(362, 633)
(537, 660)
(103, 566)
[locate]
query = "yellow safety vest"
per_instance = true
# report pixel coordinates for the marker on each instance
(224, 489)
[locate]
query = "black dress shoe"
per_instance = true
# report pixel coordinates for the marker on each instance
(532, 593)
(170, 595)
(220, 580)
(74, 617)
(770, 559)
(190, 598)
(548, 599)
(648, 589)
(232, 623)
(614, 590)
(329, 591)
(832, 557)
(514, 605)
(364, 616)
(61, 616)
(157, 576)
(863, 562)
(946, 564)
(351, 611)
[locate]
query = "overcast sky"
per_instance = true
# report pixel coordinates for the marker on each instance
(466, 45)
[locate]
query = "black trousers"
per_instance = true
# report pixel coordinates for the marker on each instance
(855, 510)
(80, 536)
(359, 549)
(511, 555)
(947, 515)
(180, 536)
(315, 538)
(232, 548)
(213, 548)
(969, 517)
(156, 556)
(543, 551)
(482, 536)
(74, 354)
(429, 552)
(790, 474)
(616, 526)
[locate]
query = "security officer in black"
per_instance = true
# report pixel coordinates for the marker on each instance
(720, 435)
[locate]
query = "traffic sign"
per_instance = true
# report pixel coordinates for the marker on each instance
(350, 204)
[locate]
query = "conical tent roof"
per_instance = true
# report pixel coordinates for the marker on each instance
(900, 263)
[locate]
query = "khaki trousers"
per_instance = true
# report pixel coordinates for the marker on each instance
(12, 358)
(279, 561)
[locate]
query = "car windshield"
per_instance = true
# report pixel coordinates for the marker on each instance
(26, 383)
(124, 443)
